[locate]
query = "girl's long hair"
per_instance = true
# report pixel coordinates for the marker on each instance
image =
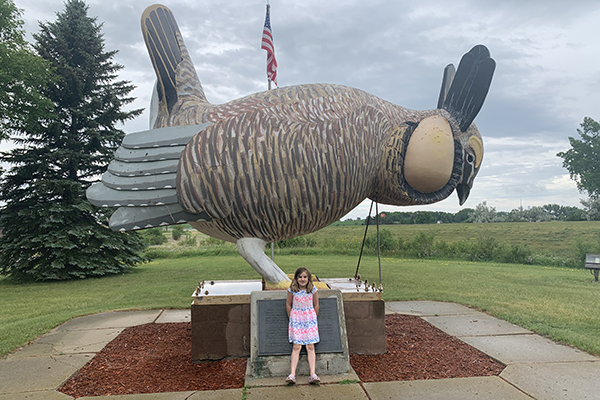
(295, 287)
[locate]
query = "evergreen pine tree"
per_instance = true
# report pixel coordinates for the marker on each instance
(50, 230)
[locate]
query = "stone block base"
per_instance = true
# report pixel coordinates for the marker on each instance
(365, 323)
(221, 326)
(221, 329)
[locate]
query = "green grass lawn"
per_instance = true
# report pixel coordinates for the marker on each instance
(559, 303)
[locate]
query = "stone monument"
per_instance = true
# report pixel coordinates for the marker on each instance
(270, 350)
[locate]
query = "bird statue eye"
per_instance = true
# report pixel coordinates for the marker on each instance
(477, 147)
(429, 158)
(470, 158)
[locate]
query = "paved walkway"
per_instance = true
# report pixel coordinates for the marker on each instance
(537, 368)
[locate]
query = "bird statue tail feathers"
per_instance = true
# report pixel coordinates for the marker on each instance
(179, 97)
(141, 181)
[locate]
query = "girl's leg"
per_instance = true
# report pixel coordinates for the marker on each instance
(295, 357)
(312, 358)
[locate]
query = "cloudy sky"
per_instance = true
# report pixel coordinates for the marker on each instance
(547, 76)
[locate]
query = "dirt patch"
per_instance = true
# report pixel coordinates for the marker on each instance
(156, 358)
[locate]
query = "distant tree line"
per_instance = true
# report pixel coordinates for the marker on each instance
(483, 213)
(549, 212)
(422, 217)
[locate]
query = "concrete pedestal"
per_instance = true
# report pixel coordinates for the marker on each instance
(221, 319)
(365, 323)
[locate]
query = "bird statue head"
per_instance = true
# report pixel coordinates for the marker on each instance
(434, 152)
(472, 146)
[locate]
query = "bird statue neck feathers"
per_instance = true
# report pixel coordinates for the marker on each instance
(286, 162)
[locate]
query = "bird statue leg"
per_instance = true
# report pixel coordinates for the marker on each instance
(253, 251)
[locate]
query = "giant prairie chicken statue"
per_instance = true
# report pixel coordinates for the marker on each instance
(289, 161)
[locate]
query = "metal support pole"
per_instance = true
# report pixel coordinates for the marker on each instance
(363, 242)
(378, 242)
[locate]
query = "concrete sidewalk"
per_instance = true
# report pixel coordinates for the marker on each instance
(536, 368)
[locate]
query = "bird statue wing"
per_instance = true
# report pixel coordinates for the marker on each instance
(141, 181)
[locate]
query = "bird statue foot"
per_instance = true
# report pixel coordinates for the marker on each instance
(253, 251)
(281, 285)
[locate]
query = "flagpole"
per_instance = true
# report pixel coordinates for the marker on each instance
(269, 79)
(272, 243)
(269, 82)
(268, 45)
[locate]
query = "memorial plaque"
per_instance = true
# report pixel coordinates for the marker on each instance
(330, 334)
(273, 328)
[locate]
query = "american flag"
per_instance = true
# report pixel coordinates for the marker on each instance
(267, 44)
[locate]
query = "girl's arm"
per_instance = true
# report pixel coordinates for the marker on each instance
(316, 302)
(288, 303)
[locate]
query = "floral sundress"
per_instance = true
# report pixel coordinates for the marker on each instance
(303, 328)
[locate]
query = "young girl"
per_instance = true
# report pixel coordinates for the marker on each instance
(303, 307)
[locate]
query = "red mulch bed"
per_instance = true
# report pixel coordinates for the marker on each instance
(418, 350)
(156, 358)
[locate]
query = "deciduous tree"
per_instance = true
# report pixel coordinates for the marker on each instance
(583, 158)
(22, 75)
(484, 213)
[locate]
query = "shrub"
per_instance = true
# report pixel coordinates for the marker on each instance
(421, 245)
(581, 248)
(298, 241)
(189, 241)
(153, 236)
(516, 254)
(486, 249)
(387, 243)
(176, 232)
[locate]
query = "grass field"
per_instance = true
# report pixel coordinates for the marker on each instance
(551, 237)
(558, 303)
(559, 244)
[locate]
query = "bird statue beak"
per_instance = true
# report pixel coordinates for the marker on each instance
(463, 190)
